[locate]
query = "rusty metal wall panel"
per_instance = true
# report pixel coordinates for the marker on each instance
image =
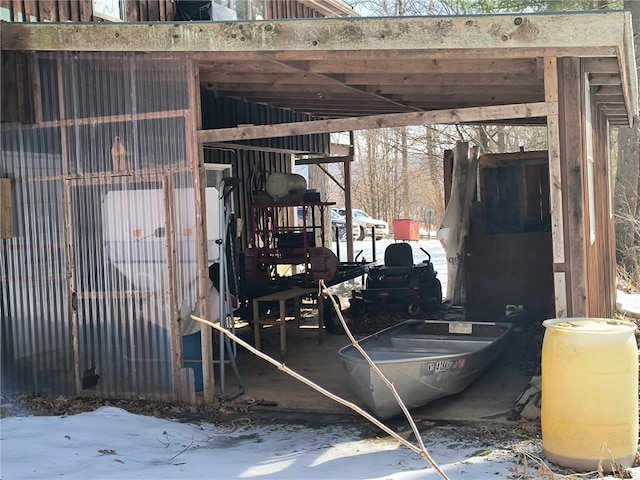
(85, 281)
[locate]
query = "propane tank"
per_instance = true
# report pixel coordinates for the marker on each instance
(280, 185)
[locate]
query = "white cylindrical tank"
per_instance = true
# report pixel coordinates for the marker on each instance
(281, 184)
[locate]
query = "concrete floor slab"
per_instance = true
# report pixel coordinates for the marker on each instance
(489, 398)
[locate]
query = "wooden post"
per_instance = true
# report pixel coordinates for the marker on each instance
(555, 193)
(180, 390)
(69, 234)
(195, 154)
(6, 209)
(574, 132)
(347, 198)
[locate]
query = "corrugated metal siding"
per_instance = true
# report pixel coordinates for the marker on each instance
(36, 339)
(85, 281)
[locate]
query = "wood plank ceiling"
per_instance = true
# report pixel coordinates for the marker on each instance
(361, 83)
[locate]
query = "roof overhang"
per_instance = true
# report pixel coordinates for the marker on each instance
(365, 67)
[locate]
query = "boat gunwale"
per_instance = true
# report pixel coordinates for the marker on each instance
(361, 359)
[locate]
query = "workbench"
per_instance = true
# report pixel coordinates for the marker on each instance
(295, 294)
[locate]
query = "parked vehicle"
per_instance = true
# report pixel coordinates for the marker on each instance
(338, 225)
(423, 359)
(365, 223)
(337, 219)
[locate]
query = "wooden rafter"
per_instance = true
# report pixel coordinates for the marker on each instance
(347, 86)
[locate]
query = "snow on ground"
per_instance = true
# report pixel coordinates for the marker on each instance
(110, 443)
(628, 303)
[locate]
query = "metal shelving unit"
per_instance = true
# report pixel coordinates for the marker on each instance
(280, 240)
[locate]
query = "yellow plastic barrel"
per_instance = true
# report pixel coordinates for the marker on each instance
(589, 393)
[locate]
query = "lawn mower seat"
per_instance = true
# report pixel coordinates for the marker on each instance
(398, 259)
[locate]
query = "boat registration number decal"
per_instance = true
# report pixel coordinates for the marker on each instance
(439, 366)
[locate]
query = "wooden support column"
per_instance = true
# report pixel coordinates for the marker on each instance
(574, 182)
(6, 209)
(182, 388)
(195, 153)
(555, 193)
(347, 199)
(69, 231)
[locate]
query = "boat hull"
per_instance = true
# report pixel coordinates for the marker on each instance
(424, 359)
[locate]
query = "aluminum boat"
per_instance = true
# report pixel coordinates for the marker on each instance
(424, 359)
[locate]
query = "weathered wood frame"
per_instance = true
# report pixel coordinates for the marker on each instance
(565, 49)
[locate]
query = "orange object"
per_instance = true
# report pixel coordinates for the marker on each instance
(404, 229)
(137, 233)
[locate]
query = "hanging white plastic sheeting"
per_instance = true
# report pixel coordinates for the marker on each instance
(455, 224)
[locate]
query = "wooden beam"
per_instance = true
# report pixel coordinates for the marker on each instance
(555, 180)
(195, 155)
(605, 79)
(363, 103)
(392, 53)
(254, 148)
(601, 65)
(322, 160)
(615, 110)
(470, 67)
(6, 209)
(453, 116)
(177, 355)
(471, 35)
(492, 160)
(608, 90)
(347, 85)
(456, 87)
(610, 100)
(575, 110)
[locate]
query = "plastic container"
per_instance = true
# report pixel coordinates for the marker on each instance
(404, 229)
(192, 352)
(589, 393)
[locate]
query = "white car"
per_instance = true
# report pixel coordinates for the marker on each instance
(365, 222)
